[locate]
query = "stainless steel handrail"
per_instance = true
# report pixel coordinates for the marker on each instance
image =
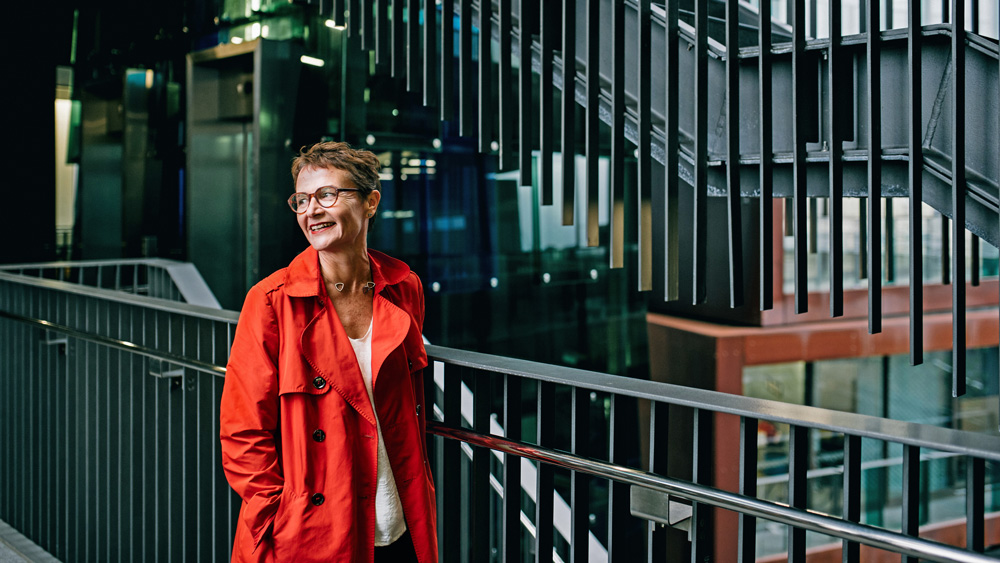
(124, 345)
(909, 433)
(207, 313)
(816, 522)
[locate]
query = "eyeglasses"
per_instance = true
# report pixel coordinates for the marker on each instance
(326, 196)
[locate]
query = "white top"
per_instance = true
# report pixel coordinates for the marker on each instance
(389, 522)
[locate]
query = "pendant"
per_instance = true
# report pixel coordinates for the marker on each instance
(370, 286)
(339, 286)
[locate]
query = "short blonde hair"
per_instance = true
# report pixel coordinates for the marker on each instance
(361, 165)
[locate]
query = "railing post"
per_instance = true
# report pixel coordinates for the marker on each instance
(701, 514)
(911, 494)
(852, 494)
(480, 482)
(545, 472)
(657, 546)
(747, 542)
(798, 487)
(452, 493)
(579, 482)
(511, 512)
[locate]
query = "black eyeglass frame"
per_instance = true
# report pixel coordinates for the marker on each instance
(320, 192)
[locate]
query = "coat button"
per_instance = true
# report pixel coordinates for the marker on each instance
(410, 362)
(319, 382)
(418, 410)
(319, 301)
(319, 435)
(317, 499)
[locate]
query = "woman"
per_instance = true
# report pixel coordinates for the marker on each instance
(321, 421)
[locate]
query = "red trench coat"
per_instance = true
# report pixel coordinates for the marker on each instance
(299, 443)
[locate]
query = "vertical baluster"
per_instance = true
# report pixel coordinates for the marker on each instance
(353, 24)
(567, 144)
(430, 52)
(643, 222)
(836, 142)
(700, 150)
(366, 25)
(398, 63)
(813, 226)
(544, 476)
(915, 176)
(511, 526)
(365, 20)
(593, 123)
(337, 12)
(412, 45)
(486, 110)
(524, 83)
(800, 101)
(975, 489)
(852, 493)
(618, 493)
(890, 242)
(766, 169)
(413, 75)
(452, 502)
(481, 470)
(546, 30)
(958, 199)
(659, 426)
(580, 482)
(798, 486)
(733, 153)
(874, 228)
(911, 494)
(671, 199)
(466, 75)
(505, 136)
(447, 59)
(617, 196)
(747, 543)
(945, 250)
(382, 33)
(701, 514)
(974, 265)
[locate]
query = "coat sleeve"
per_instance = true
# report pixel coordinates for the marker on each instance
(248, 415)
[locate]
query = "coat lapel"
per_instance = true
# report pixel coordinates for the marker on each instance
(388, 332)
(327, 349)
(324, 342)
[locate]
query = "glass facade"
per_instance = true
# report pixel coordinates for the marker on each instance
(886, 387)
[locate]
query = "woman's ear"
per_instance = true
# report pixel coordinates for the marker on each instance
(373, 200)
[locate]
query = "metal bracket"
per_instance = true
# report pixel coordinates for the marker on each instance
(53, 338)
(161, 369)
(659, 507)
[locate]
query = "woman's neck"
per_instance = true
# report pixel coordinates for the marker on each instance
(349, 268)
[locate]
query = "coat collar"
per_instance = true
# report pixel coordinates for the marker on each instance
(303, 277)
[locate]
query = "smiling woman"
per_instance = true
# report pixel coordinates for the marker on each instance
(329, 351)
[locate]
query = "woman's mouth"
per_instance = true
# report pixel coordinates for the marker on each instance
(320, 226)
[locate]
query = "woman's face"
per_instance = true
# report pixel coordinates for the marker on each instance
(341, 227)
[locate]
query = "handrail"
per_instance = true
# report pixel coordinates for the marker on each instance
(207, 313)
(183, 275)
(814, 521)
(124, 345)
(947, 440)
(909, 433)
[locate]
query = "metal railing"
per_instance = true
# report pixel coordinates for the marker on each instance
(110, 451)
(155, 277)
(109, 410)
(643, 69)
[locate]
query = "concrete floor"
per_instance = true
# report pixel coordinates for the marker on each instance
(15, 548)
